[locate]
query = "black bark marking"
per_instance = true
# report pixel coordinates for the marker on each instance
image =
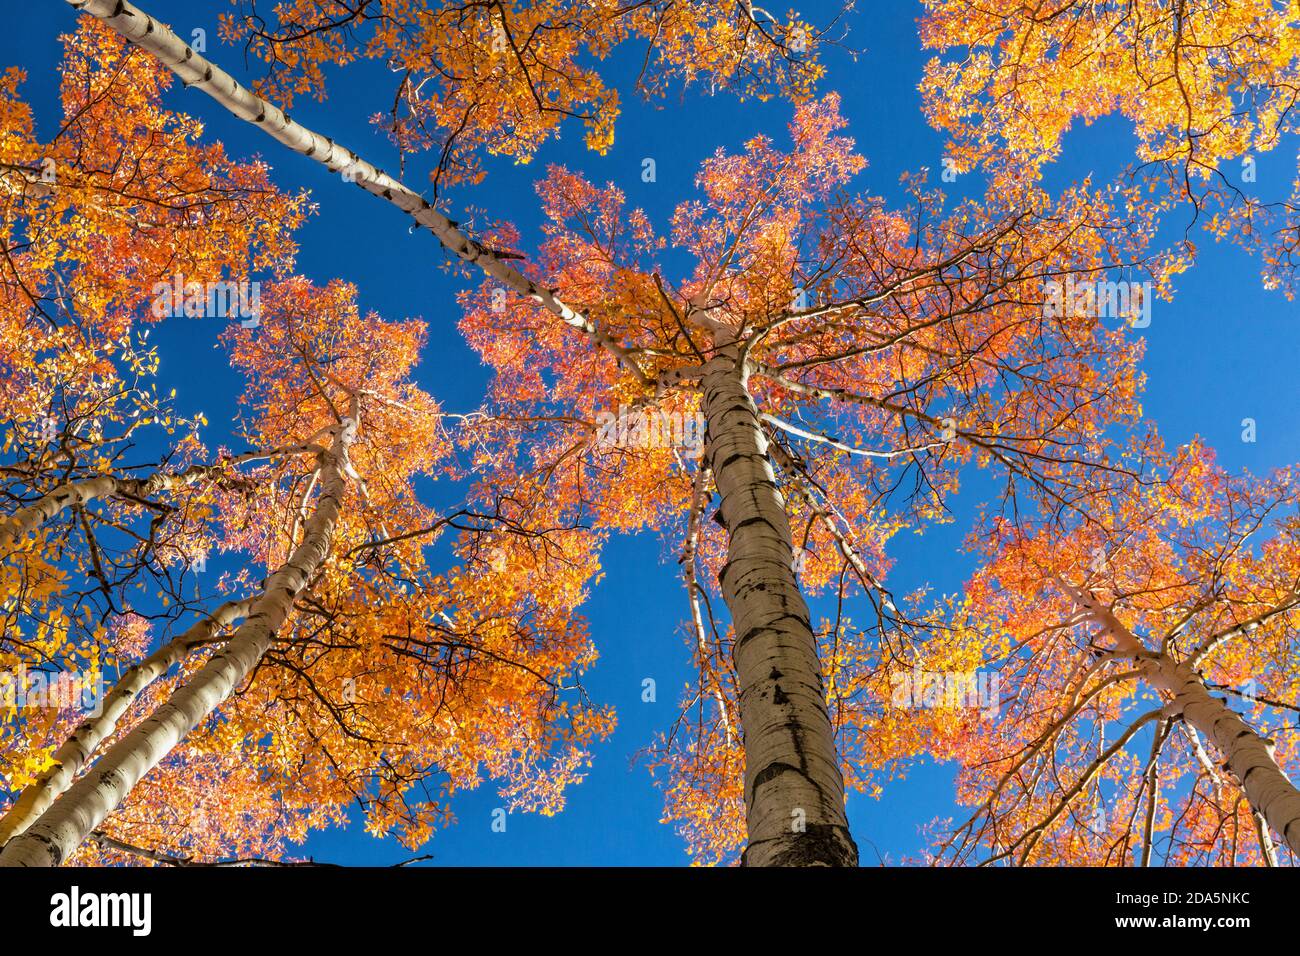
(820, 844)
(754, 632)
(774, 770)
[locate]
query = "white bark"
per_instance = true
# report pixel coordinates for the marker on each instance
(25, 182)
(794, 792)
(1248, 755)
(836, 525)
(197, 71)
(1266, 848)
(84, 490)
(58, 832)
(75, 752)
(27, 519)
(699, 501)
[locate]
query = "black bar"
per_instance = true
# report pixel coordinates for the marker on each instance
(414, 905)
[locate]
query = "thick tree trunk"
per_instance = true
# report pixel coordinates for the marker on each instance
(794, 792)
(58, 832)
(75, 752)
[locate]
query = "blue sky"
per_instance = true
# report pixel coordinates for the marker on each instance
(1223, 350)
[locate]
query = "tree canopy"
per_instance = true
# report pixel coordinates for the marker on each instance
(890, 438)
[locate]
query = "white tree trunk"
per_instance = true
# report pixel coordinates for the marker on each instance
(197, 71)
(58, 832)
(75, 752)
(27, 519)
(794, 791)
(1249, 756)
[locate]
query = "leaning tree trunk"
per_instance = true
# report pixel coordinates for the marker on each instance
(29, 518)
(794, 792)
(1248, 755)
(25, 520)
(75, 752)
(62, 828)
(15, 527)
(200, 73)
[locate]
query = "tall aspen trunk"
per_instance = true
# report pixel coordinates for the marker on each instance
(62, 828)
(195, 70)
(75, 752)
(1248, 755)
(794, 792)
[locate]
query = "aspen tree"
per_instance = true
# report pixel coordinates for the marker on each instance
(62, 827)
(75, 753)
